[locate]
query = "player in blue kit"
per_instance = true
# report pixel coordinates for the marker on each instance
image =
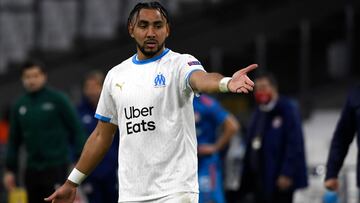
(209, 118)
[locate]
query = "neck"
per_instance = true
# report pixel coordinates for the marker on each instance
(35, 92)
(269, 106)
(142, 56)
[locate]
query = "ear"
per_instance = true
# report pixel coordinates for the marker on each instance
(131, 29)
(167, 29)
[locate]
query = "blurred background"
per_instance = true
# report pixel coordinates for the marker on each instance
(312, 46)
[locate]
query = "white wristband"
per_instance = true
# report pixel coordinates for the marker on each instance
(76, 176)
(223, 84)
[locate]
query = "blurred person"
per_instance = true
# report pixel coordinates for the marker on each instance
(347, 127)
(45, 122)
(210, 117)
(274, 163)
(149, 97)
(4, 127)
(101, 185)
(4, 134)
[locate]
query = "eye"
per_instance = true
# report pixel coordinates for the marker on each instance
(142, 26)
(158, 25)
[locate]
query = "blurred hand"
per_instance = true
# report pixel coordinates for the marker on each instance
(64, 194)
(332, 184)
(9, 181)
(206, 149)
(240, 82)
(284, 182)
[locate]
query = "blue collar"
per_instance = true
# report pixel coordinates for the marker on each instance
(146, 61)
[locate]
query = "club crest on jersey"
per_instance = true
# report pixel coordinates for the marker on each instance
(160, 80)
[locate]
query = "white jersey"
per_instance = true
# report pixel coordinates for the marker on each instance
(152, 103)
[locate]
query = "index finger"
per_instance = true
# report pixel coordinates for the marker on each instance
(51, 197)
(249, 68)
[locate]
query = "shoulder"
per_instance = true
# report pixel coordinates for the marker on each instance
(58, 96)
(121, 66)
(182, 58)
(354, 96)
(116, 70)
(288, 105)
(355, 91)
(19, 101)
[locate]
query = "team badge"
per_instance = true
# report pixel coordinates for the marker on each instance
(160, 80)
(22, 110)
(277, 122)
(48, 106)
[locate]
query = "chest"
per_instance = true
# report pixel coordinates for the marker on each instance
(146, 86)
(35, 113)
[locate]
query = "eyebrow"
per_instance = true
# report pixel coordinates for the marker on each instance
(148, 22)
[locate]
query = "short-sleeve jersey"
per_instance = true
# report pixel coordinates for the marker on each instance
(151, 102)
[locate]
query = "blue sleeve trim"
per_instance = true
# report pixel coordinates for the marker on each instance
(102, 118)
(187, 77)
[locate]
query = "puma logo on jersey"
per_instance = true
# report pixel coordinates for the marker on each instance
(119, 85)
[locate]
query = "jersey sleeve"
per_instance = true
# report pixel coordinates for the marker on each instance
(188, 65)
(106, 109)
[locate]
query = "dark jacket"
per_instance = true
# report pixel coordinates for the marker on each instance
(348, 124)
(282, 147)
(45, 122)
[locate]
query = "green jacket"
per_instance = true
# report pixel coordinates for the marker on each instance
(46, 123)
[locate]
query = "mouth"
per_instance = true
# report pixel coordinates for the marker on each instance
(151, 44)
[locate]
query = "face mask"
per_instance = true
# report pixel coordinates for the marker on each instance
(262, 97)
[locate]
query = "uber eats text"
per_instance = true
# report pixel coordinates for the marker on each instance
(142, 126)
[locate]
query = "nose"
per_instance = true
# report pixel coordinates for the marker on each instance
(151, 32)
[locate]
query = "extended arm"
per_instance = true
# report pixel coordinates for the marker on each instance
(209, 82)
(343, 136)
(94, 150)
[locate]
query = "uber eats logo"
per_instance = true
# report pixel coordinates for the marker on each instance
(145, 125)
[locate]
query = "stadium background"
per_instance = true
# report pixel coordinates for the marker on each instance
(313, 47)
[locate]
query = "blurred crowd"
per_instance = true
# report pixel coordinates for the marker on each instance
(261, 161)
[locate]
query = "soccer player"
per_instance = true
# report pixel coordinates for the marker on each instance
(149, 98)
(209, 118)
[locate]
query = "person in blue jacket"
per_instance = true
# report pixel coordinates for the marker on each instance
(101, 185)
(274, 163)
(347, 126)
(214, 129)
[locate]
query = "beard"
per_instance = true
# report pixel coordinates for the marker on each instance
(150, 53)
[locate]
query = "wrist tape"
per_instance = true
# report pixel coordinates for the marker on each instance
(76, 176)
(223, 84)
